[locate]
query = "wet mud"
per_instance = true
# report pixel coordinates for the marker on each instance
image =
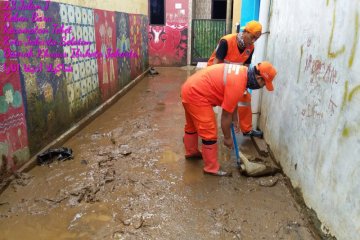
(129, 180)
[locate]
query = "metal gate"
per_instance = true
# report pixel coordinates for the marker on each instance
(205, 36)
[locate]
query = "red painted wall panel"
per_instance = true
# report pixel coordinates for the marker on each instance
(168, 44)
(105, 35)
(13, 131)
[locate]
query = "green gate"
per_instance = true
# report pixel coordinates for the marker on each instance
(205, 36)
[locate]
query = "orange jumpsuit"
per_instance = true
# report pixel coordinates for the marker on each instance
(234, 56)
(218, 85)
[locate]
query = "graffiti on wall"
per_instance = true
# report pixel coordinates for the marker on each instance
(351, 126)
(105, 35)
(13, 131)
(323, 73)
(335, 52)
(350, 123)
(320, 73)
(168, 44)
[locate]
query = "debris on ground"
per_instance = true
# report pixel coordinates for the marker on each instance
(60, 154)
(152, 71)
(21, 179)
(268, 181)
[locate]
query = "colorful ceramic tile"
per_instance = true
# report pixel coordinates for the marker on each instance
(81, 20)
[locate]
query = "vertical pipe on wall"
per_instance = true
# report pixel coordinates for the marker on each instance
(236, 14)
(192, 8)
(228, 16)
(260, 55)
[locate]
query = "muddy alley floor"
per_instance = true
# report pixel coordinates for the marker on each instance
(129, 180)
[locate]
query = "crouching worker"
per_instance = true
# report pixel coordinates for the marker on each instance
(217, 85)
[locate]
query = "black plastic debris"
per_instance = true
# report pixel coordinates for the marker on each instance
(153, 71)
(60, 154)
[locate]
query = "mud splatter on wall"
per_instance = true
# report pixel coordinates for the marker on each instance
(105, 34)
(168, 44)
(13, 130)
(123, 44)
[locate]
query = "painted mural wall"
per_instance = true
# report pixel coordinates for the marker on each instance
(312, 119)
(168, 44)
(133, 6)
(14, 147)
(57, 63)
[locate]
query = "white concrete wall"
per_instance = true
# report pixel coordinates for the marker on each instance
(312, 120)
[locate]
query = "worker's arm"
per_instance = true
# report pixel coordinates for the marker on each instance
(221, 51)
(226, 120)
(216, 60)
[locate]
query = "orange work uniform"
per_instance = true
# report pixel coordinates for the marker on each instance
(218, 85)
(233, 54)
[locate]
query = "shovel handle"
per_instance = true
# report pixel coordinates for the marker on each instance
(236, 148)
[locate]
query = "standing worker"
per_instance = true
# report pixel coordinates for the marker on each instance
(218, 85)
(238, 49)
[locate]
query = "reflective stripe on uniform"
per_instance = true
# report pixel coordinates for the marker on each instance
(231, 68)
(225, 73)
(244, 104)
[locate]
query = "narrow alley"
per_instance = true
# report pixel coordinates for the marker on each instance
(129, 180)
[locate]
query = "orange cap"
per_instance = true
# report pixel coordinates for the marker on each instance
(253, 27)
(267, 72)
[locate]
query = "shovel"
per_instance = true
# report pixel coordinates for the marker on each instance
(249, 168)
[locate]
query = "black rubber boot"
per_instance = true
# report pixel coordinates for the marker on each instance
(254, 133)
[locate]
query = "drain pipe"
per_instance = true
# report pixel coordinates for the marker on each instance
(228, 16)
(260, 55)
